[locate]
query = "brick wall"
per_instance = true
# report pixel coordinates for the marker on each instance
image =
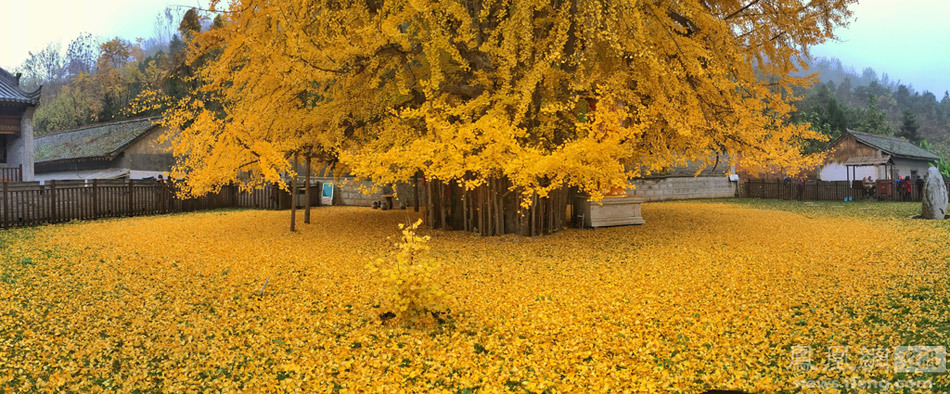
(681, 188)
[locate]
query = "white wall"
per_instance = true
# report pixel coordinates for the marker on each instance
(839, 172)
(904, 167)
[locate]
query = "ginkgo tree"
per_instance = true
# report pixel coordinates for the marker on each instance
(498, 105)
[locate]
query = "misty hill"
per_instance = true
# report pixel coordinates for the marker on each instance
(875, 103)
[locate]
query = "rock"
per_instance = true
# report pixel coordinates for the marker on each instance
(934, 205)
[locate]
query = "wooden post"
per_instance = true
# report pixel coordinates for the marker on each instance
(6, 206)
(19, 172)
(95, 198)
(234, 194)
(52, 201)
(131, 201)
(293, 195)
(306, 193)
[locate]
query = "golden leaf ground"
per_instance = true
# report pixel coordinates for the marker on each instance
(705, 295)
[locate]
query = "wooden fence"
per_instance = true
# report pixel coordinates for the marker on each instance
(829, 190)
(30, 203)
(11, 174)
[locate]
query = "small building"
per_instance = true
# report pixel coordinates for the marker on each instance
(127, 149)
(856, 155)
(16, 128)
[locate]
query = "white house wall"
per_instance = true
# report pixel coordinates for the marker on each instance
(839, 172)
(905, 167)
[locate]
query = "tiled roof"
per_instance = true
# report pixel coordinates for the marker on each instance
(897, 147)
(867, 160)
(10, 90)
(103, 140)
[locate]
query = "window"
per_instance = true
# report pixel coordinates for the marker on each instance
(3, 149)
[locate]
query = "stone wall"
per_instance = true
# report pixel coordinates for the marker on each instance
(20, 147)
(346, 191)
(681, 188)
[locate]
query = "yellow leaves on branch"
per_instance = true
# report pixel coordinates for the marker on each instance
(580, 92)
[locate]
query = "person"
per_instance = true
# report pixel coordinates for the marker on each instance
(906, 189)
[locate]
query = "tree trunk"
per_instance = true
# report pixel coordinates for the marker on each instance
(483, 209)
(430, 205)
(293, 195)
(444, 201)
(415, 192)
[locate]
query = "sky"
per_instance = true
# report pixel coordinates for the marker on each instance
(905, 39)
(29, 25)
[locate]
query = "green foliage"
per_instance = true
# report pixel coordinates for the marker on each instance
(943, 165)
(821, 124)
(74, 106)
(874, 120)
(96, 82)
(873, 102)
(909, 126)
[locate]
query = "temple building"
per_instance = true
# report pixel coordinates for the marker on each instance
(125, 149)
(16, 128)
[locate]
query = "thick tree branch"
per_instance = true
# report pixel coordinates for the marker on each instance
(739, 11)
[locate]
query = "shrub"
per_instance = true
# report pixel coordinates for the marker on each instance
(408, 290)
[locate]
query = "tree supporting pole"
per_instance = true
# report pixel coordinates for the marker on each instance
(306, 193)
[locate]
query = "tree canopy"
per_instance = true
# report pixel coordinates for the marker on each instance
(544, 93)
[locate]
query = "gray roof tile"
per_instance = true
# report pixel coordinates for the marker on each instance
(104, 140)
(10, 90)
(897, 147)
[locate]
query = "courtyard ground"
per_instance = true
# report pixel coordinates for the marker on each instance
(731, 294)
